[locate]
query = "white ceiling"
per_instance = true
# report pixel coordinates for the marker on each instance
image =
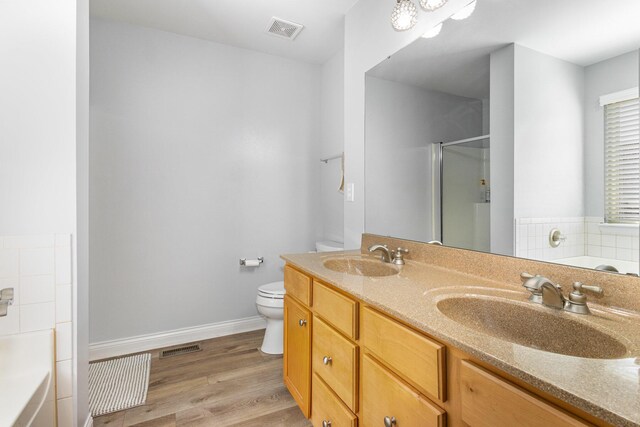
(457, 61)
(240, 23)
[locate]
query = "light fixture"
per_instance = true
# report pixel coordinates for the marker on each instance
(433, 32)
(432, 5)
(404, 15)
(465, 12)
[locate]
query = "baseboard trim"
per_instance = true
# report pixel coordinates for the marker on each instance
(114, 348)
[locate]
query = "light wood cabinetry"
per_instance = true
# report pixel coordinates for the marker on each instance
(386, 396)
(337, 309)
(297, 353)
(297, 285)
(359, 366)
(328, 410)
(335, 360)
(417, 358)
(488, 400)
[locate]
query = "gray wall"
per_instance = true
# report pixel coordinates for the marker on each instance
(401, 123)
(549, 138)
(502, 99)
(200, 154)
(331, 203)
(613, 75)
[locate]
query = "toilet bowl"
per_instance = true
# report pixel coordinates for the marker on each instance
(270, 304)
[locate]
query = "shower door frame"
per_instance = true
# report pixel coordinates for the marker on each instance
(438, 159)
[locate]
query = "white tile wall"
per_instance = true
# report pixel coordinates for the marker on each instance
(39, 269)
(532, 237)
(585, 236)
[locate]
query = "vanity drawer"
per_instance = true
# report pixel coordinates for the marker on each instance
(297, 285)
(383, 395)
(488, 400)
(418, 359)
(335, 308)
(340, 372)
(327, 407)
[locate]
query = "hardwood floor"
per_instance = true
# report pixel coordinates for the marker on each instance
(229, 383)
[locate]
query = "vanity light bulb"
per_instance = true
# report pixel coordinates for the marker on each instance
(465, 12)
(404, 15)
(432, 5)
(433, 32)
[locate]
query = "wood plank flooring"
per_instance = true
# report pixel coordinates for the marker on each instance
(229, 383)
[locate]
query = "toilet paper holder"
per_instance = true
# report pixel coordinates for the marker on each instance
(252, 262)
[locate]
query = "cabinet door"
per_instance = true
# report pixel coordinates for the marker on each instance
(388, 401)
(488, 400)
(297, 353)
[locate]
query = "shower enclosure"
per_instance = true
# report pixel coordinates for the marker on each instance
(464, 193)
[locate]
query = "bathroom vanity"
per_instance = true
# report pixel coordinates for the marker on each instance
(451, 339)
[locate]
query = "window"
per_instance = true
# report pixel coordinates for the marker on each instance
(622, 161)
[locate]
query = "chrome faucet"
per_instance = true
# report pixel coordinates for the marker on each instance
(544, 291)
(6, 299)
(393, 256)
(386, 253)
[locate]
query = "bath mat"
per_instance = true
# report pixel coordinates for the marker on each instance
(118, 384)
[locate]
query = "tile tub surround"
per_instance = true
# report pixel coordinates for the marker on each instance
(39, 267)
(586, 236)
(606, 389)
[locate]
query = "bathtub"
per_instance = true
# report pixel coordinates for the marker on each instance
(593, 262)
(27, 372)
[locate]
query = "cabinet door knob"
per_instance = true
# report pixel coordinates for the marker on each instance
(302, 322)
(326, 423)
(327, 360)
(389, 421)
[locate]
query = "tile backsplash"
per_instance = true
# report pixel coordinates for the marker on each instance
(39, 269)
(585, 236)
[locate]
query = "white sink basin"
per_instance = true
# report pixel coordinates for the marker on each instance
(26, 372)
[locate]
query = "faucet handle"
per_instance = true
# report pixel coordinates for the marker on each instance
(578, 287)
(398, 256)
(526, 276)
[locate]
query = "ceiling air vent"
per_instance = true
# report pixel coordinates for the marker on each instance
(284, 29)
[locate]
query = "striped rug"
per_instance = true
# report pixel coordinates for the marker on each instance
(118, 384)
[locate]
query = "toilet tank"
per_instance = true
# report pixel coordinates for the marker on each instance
(329, 246)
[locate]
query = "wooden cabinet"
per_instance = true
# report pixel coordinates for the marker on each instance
(418, 359)
(337, 309)
(328, 409)
(335, 360)
(488, 400)
(297, 285)
(385, 396)
(297, 353)
(347, 364)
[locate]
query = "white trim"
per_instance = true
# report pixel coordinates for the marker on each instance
(89, 421)
(621, 229)
(623, 95)
(105, 349)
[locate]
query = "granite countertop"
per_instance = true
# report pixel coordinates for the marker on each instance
(606, 388)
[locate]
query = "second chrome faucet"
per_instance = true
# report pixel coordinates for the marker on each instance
(544, 291)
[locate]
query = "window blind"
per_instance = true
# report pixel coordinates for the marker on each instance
(622, 162)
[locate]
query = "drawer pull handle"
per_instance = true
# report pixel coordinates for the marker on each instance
(389, 421)
(327, 360)
(302, 322)
(326, 423)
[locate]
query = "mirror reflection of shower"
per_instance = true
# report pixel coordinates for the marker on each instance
(465, 193)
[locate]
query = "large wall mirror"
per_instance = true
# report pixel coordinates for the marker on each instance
(514, 132)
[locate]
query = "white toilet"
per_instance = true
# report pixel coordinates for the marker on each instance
(270, 303)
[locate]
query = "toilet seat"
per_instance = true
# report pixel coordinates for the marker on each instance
(274, 290)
